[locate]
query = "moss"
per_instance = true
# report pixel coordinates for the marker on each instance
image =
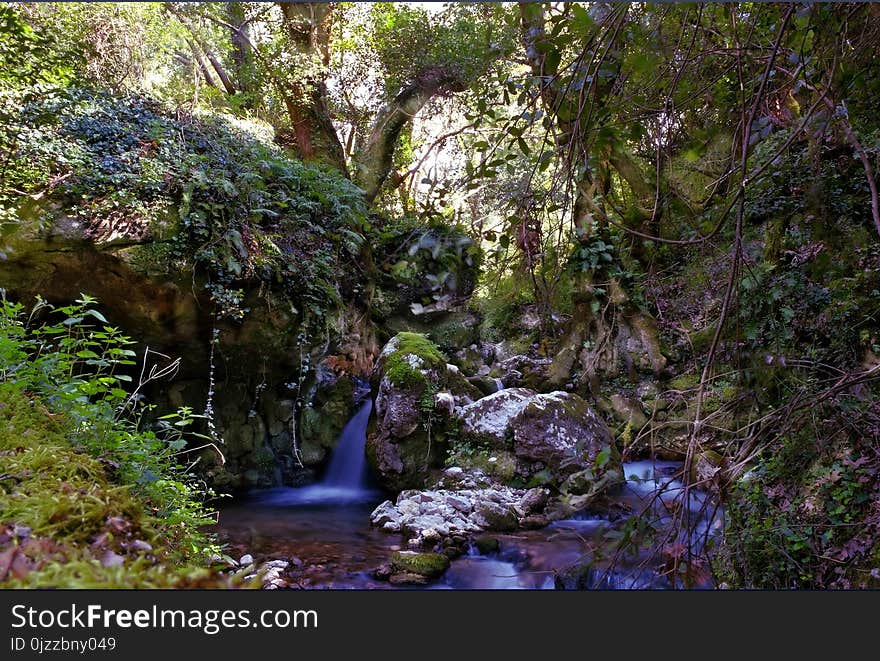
(684, 382)
(413, 354)
(74, 514)
(321, 423)
(423, 564)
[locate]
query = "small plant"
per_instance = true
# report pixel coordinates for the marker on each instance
(73, 363)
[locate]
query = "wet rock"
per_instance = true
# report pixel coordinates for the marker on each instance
(406, 442)
(271, 574)
(534, 521)
(428, 565)
(331, 403)
(486, 545)
(408, 578)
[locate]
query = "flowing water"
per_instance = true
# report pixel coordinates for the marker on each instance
(324, 531)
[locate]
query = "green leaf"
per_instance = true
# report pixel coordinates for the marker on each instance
(97, 315)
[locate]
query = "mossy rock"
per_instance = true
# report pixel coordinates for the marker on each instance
(684, 382)
(407, 357)
(408, 439)
(322, 422)
(448, 330)
(429, 565)
(486, 545)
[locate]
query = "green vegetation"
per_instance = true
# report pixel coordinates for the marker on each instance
(609, 199)
(423, 564)
(89, 498)
(412, 357)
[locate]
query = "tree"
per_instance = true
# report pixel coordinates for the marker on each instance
(607, 333)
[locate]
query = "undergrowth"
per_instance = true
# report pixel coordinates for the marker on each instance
(87, 497)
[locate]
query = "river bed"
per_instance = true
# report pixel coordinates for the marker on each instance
(324, 532)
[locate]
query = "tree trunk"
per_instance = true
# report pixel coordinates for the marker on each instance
(313, 136)
(205, 70)
(607, 335)
(202, 50)
(242, 50)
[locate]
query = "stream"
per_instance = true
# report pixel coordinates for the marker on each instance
(324, 531)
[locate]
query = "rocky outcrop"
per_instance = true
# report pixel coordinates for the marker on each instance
(415, 390)
(552, 436)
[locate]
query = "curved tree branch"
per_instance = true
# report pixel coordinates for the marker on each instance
(373, 158)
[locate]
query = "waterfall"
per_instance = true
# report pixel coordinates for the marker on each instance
(345, 480)
(348, 465)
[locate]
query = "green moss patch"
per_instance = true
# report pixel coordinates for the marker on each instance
(423, 564)
(412, 355)
(65, 523)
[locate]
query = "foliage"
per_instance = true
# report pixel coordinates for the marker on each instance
(83, 477)
(423, 264)
(210, 194)
(806, 516)
(28, 57)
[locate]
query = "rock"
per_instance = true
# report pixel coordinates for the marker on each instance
(486, 545)
(523, 371)
(489, 419)
(407, 441)
(485, 384)
(454, 472)
(271, 574)
(628, 411)
(494, 516)
(429, 565)
(534, 500)
(246, 560)
(445, 402)
(461, 504)
(449, 330)
(386, 513)
(408, 578)
(587, 483)
(450, 513)
(551, 435)
(561, 433)
(141, 545)
(708, 465)
(534, 521)
(332, 402)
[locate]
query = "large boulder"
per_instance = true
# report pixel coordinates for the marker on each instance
(489, 421)
(416, 390)
(553, 437)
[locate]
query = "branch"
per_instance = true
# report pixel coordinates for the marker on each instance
(374, 157)
(198, 41)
